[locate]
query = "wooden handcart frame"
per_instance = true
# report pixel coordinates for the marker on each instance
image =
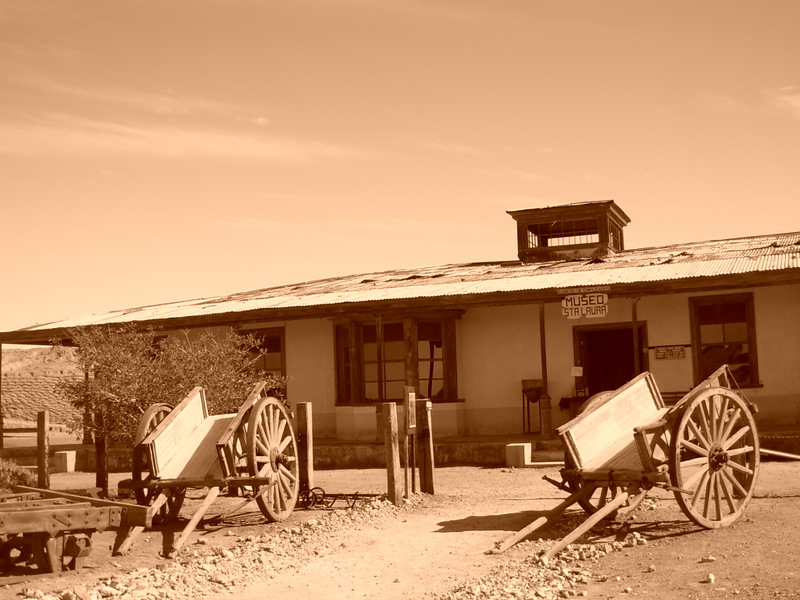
(53, 530)
(704, 449)
(254, 450)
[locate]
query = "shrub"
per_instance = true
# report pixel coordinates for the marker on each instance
(12, 474)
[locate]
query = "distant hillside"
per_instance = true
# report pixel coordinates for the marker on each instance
(39, 361)
(31, 380)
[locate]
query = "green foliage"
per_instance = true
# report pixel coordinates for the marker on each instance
(130, 369)
(12, 474)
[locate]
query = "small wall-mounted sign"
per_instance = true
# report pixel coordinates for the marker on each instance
(583, 290)
(669, 352)
(590, 306)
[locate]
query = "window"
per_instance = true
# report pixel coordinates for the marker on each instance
(723, 332)
(614, 236)
(563, 233)
(271, 340)
(377, 358)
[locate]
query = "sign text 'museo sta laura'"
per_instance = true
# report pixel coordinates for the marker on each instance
(591, 306)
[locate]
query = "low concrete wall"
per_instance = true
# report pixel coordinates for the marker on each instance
(119, 459)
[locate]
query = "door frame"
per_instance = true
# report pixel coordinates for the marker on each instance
(578, 330)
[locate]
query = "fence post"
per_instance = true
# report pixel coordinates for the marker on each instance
(392, 453)
(2, 424)
(43, 448)
(425, 446)
(305, 446)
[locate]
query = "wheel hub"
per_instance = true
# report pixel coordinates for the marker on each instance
(274, 458)
(717, 458)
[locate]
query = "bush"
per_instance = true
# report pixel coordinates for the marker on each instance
(130, 369)
(12, 474)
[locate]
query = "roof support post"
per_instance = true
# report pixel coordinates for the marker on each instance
(637, 351)
(2, 424)
(379, 344)
(546, 406)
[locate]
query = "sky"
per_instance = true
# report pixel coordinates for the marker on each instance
(161, 150)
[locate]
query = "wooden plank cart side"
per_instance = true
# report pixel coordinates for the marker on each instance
(599, 445)
(704, 449)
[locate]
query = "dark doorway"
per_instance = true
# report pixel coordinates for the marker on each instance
(606, 354)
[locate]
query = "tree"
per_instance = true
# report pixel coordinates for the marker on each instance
(128, 370)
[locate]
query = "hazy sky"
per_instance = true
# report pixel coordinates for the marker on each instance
(161, 150)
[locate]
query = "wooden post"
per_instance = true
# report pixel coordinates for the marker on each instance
(305, 446)
(43, 448)
(87, 412)
(544, 399)
(409, 429)
(425, 446)
(637, 351)
(392, 453)
(2, 424)
(101, 456)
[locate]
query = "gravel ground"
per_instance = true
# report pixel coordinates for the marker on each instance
(434, 547)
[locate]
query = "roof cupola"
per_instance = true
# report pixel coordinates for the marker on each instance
(569, 231)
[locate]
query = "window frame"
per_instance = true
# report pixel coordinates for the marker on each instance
(350, 360)
(263, 332)
(746, 299)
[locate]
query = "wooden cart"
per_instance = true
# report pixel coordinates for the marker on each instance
(183, 447)
(52, 531)
(704, 449)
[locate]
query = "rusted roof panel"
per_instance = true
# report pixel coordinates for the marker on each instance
(646, 265)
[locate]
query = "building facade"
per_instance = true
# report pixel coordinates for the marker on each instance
(517, 346)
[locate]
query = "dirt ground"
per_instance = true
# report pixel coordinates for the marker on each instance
(438, 544)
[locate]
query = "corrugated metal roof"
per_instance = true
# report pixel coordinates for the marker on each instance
(647, 265)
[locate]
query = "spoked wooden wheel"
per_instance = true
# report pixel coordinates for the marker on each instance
(272, 452)
(714, 457)
(603, 494)
(142, 470)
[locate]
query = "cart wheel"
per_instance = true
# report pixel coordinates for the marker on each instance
(714, 456)
(603, 494)
(142, 471)
(272, 452)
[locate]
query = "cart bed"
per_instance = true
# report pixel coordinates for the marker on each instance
(196, 456)
(602, 438)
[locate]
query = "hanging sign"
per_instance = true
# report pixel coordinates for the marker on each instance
(591, 306)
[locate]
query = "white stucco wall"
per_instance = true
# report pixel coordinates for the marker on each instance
(310, 366)
(498, 347)
(778, 335)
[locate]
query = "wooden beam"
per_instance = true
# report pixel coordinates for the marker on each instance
(2, 424)
(595, 518)
(545, 404)
(553, 513)
(43, 448)
(199, 513)
(637, 351)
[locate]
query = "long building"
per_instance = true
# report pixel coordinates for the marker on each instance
(504, 348)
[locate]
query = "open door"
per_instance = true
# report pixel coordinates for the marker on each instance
(606, 353)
